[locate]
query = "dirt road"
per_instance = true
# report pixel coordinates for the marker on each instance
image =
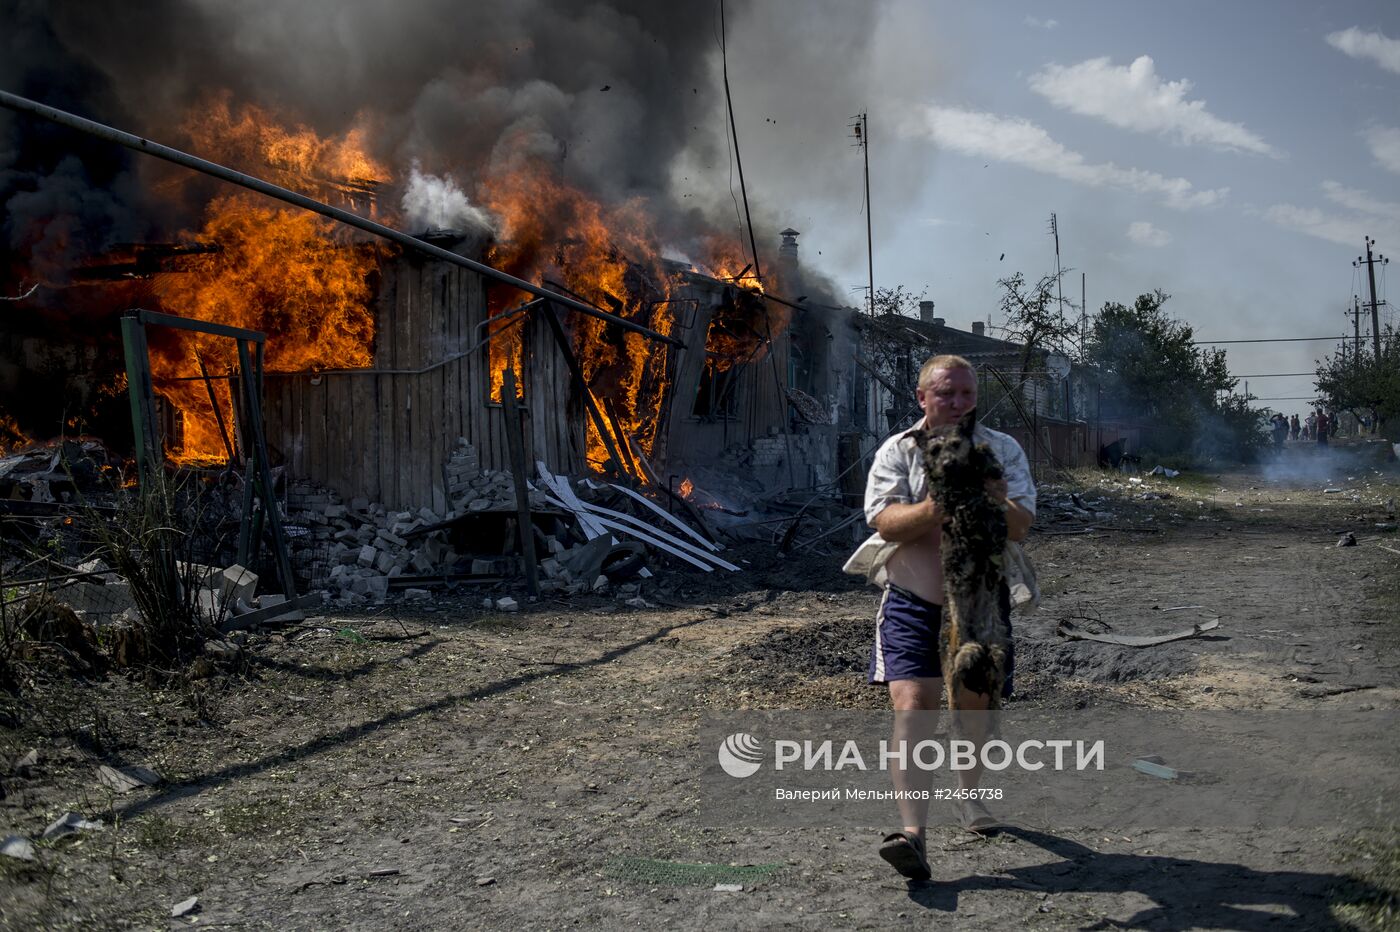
(452, 769)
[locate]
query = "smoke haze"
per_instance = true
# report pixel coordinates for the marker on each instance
(623, 99)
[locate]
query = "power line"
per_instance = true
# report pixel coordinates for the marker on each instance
(1273, 340)
(1271, 375)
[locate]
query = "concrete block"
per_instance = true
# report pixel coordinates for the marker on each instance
(210, 604)
(507, 604)
(276, 598)
(377, 587)
(383, 561)
(389, 537)
(367, 555)
(93, 599)
(239, 583)
(417, 595)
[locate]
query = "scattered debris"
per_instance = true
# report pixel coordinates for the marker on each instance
(1068, 629)
(1154, 766)
(384, 872)
(24, 765)
(70, 823)
(127, 778)
(185, 908)
(1347, 540)
(486, 881)
(17, 847)
(1164, 471)
(1323, 690)
(729, 888)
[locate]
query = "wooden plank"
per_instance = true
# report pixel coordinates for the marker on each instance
(384, 434)
(525, 525)
(363, 437)
(687, 529)
(396, 434)
(642, 536)
(308, 415)
(559, 485)
(609, 518)
(340, 431)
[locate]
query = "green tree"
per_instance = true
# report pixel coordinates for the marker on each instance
(1364, 384)
(1150, 372)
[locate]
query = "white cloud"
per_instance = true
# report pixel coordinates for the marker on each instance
(1145, 234)
(1377, 46)
(1136, 98)
(1367, 217)
(1010, 139)
(1358, 200)
(1385, 145)
(1041, 23)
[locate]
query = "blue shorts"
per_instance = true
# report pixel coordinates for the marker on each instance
(906, 638)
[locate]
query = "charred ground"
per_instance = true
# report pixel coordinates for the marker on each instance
(452, 768)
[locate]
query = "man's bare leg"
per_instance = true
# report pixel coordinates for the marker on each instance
(914, 702)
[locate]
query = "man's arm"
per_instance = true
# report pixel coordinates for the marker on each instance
(1018, 517)
(1018, 520)
(899, 522)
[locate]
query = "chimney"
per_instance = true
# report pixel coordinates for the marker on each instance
(787, 252)
(979, 328)
(926, 313)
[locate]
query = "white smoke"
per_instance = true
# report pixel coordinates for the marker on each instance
(439, 203)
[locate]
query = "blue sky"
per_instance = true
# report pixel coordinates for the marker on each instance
(1232, 154)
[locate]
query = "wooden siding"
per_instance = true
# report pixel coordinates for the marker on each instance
(386, 433)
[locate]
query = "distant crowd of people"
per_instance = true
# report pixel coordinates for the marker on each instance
(1318, 427)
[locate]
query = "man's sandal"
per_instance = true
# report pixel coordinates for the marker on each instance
(905, 853)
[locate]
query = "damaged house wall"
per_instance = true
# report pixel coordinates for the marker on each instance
(386, 433)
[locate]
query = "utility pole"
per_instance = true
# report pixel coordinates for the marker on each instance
(1356, 329)
(1059, 276)
(1083, 312)
(861, 132)
(1370, 262)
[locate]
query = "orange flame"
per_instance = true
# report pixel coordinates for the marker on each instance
(294, 155)
(292, 275)
(11, 437)
(610, 257)
(289, 274)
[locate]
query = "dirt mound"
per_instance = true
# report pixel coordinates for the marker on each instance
(1101, 663)
(842, 648)
(825, 648)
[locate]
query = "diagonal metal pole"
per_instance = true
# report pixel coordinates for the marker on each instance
(102, 131)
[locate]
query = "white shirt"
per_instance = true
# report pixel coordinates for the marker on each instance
(898, 477)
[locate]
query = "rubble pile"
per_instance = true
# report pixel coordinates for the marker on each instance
(50, 474)
(362, 552)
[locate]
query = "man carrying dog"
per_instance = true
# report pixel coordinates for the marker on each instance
(904, 557)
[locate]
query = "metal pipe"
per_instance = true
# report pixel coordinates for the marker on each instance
(102, 131)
